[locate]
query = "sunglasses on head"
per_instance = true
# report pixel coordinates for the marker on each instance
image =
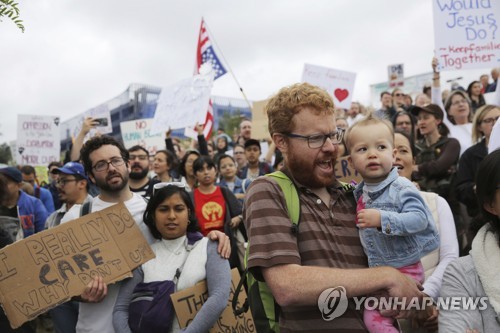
(159, 186)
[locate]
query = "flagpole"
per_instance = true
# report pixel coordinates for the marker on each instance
(229, 67)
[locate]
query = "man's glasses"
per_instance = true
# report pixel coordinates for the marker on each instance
(489, 120)
(102, 166)
(139, 157)
(63, 182)
(398, 94)
(159, 186)
(318, 140)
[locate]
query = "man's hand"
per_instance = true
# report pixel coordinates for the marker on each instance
(88, 124)
(95, 291)
(369, 218)
(224, 248)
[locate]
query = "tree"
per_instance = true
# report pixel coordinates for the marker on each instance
(231, 122)
(8, 8)
(5, 153)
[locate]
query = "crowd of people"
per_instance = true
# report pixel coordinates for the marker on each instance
(405, 231)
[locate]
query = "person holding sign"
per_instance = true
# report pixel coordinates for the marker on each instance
(183, 257)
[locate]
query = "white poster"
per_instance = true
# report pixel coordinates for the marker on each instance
(138, 132)
(184, 104)
(466, 33)
(38, 140)
(396, 75)
(339, 84)
(102, 115)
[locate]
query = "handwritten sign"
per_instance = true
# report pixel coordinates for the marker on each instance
(38, 140)
(339, 84)
(184, 104)
(189, 301)
(48, 268)
(138, 132)
(466, 33)
(344, 172)
(396, 75)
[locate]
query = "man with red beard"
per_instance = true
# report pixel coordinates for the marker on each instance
(326, 251)
(139, 181)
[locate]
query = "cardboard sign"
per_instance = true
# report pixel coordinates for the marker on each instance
(184, 104)
(466, 34)
(345, 172)
(138, 132)
(339, 84)
(188, 302)
(396, 75)
(38, 140)
(48, 268)
(260, 130)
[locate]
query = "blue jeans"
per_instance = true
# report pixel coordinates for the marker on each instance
(65, 316)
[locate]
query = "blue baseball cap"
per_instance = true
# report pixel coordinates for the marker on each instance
(13, 173)
(71, 168)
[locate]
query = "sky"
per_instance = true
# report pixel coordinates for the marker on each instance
(75, 55)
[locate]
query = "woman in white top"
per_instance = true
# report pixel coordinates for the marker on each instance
(458, 115)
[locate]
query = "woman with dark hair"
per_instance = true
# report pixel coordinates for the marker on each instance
(163, 162)
(484, 120)
(475, 96)
(476, 276)
(217, 208)
(186, 169)
(183, 256)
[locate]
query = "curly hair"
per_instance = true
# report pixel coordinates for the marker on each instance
(161, 195)
(95, 143)
(291, 100)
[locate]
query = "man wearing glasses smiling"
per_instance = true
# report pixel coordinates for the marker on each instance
(106, 162)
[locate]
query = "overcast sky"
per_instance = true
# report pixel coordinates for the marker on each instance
(77, 54)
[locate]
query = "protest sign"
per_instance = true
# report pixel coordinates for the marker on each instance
(102, 116)
(38, 140)
(396, 75)
(465, 33)
(184, 104)
(260, 128)
(188, 302)
(48, 268)
(339, 84)
(344, 172)
(138, 132)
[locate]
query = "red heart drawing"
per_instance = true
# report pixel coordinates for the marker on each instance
(341, 94)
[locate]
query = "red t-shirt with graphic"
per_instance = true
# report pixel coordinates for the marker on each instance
(210, 210)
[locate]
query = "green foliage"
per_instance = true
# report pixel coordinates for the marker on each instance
(231, 122)
(8, 8)
(5, 153)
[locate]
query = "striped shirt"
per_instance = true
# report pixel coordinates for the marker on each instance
(327, 237)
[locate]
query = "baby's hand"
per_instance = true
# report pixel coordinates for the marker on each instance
(369, 218)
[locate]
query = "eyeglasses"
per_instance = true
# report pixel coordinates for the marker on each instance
(140, 157)
(104, 166)
(238, 152)
(159, 186)
(398, 94)
(489, 120)
(462, 101)
(63, 182)
(318, 140)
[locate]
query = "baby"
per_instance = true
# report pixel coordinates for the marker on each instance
(395, 225)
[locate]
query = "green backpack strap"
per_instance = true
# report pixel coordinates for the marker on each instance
(291, 197)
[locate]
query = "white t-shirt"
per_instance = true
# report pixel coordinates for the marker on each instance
(98, 317)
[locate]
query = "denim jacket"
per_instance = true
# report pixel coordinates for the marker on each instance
(407, 230)
(240, 186)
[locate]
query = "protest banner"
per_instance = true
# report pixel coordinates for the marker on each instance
(102, 115)
(344, 172)
(38, 140)
(48, 268)
(185, 103)
(465, 33)
(260, 128)
(138, 132)
(396, 75)
(339, 84)
(188, 302)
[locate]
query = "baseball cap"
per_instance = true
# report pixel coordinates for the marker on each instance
(71, 168)
(13, 173)
(252, 142)
(433, 109)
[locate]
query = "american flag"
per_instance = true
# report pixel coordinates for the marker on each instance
(205, 53)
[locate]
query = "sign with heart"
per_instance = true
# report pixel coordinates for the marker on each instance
(339, 84)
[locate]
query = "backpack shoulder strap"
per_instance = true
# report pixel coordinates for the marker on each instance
(86, 208)
(291, 197)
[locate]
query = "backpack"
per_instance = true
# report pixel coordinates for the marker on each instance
(265, 310)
